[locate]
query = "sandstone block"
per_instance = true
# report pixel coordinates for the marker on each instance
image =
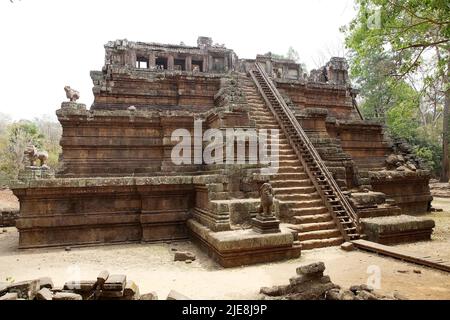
(115, 282)
(149, 296)
(102, 277)
(44, 294)
(348, 246)
(175, 295)
(45, 282)
(131, 290)
(25, 289)
(362, 287)
(183, 256)
(80, 286)
(67, 296)
(9, 296)
(316, 267)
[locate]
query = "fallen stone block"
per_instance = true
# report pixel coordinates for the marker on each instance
(67, 296)
(101, 278)
(111, 294)
(80, 286)
(274, 291)
(131, 291)
(174, 295)
(317, 267)
(183, 256)
(365, 295)
(45, 282)
(25, 289)
(362, 287)
(149, 296)
(9, 296)
(115, 282)
(44, 294)
(348, 246)
(397, 229)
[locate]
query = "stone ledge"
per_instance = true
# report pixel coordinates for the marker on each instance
(117, 181)
(244, 247)
(397, 229)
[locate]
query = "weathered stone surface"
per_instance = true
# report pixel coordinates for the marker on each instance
(80, 286)
(274, 291)
(9, 296)
(149, 296)
(67, 296)
(365, 295)
(44, 294)
(102, 277)
(25, 289)
(362, 287)
(115, 282)
(45, 282)
(131, 290)
(183, 256)
(317, 267)
(397, 229)
(348, 246)
(175, 295)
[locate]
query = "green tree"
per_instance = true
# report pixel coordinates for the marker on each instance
(404, 36)
(18, 136)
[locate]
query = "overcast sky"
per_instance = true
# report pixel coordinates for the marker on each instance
(47, 44)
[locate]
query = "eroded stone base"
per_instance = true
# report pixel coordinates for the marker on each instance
(397, 229)
(244, 247)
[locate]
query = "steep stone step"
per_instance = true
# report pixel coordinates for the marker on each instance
(290, 176)
(290, 163)
(298, 197)
(291, 183)
(312, 218)
(321, 243)
(303, 203)
(289, 169)
(319, 234)
(294, 190)
(315, 226)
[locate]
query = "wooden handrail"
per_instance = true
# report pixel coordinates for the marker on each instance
(311, 150)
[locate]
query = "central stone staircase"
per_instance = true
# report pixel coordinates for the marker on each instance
(300, 204)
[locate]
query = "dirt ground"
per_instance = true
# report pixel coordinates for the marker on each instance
(152, 267)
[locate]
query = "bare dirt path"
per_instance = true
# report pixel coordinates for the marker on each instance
(152, 267)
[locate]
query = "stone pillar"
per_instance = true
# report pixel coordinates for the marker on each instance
(285, 72)
(151, 61)
(210, 63)
(205, 64)
(225, 63)
(188, 63)
(170, 62)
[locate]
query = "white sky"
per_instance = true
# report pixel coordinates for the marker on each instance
(46, 44)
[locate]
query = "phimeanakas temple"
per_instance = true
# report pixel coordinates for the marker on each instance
(337, 178)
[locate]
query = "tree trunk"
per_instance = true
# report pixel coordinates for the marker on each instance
(445, 162)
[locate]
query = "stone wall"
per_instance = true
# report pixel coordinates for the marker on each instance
(120, 142)
(80, 211)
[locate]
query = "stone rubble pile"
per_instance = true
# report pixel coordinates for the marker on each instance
(311, 284)
(105, 287)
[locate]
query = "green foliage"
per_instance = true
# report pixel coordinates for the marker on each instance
(399, 57)
(16, 136)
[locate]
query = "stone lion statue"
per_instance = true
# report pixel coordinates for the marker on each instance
(71, 94)
(34, 154)
(266, 194)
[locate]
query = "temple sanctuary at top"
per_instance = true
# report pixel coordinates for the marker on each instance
(178, 144)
